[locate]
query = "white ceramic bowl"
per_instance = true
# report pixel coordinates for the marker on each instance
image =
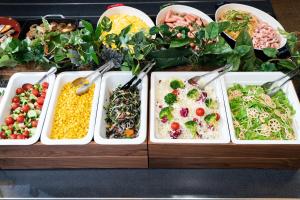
(110, 81)
(258, 78)
(128, 11)
(61, 80)
(16, 81)
(181, 9)
(217, 85)
(261, 15)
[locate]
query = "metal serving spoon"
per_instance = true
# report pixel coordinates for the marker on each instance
(82, 80)
(86, 86)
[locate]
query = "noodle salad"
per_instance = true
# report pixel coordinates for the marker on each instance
(257, 116)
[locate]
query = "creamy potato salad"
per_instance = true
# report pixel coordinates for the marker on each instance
(183, 111)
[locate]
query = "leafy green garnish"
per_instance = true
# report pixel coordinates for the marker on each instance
(211, 119)
(192, 126)
(166, 112)
(193, 94)
(170, 98)
(175, 84)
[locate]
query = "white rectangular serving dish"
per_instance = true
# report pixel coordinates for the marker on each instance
(217, 85)
(258, 78)
(61, 80)
(16, 81)
(110, 81)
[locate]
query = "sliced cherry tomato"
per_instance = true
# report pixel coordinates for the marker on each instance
(40, 100)
(43, 94)
(2, 135)
(16, 100)
(27, 86)
(39, 106)
(26, 134)
(176, 92)
(25, 108)
(11, 127)
(34, 123)
(9, 121)
(35, 92)
(217, 116)
(175, 126)
(14, 106)
(200, 112)
(19, 90)
(20, 118)
(45, 85)
(20, 136)
(13, 136)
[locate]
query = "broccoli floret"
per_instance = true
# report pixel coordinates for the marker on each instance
(211, 119)
(210, 103)
(166, 112)
(175, 84)
(193, 94)
(170, 98)
(192, 126)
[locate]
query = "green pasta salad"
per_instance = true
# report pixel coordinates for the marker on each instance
(257, 116)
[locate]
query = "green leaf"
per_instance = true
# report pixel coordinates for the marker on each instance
(244, 38)
(235, 61)
(212, 30)
(6, 61)
(220, 47)
(223, 26)
(154, 30)
(106, 24)
(88, 26)
(268, 67)
(125, 31)
(242, 50)
(179, 42)
(270, 52)
(287, 64)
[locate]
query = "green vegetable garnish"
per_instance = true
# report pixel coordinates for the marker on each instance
(193, 94)
(170, 98)
(211, 119)
(192, 126)
(210, 103)
(166, 112)
(32, 114)
(175, 84)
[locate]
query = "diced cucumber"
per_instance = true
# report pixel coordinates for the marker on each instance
(32, 114)
(32, 131)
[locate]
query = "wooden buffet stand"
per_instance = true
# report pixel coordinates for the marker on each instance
(148, 154)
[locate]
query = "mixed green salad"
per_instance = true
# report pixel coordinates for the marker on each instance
(257, 116)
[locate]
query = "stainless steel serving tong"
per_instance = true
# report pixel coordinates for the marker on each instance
(221, 71)
(137, 79)
(86, 85)
(272, 88)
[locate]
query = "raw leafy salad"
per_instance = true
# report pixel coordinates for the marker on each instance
(123, 114)
(257, 116)
(185, 112)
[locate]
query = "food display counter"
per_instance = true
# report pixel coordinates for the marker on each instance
(164, 121)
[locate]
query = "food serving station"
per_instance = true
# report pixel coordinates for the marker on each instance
(219, 143)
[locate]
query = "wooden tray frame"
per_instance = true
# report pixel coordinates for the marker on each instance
(92, 155)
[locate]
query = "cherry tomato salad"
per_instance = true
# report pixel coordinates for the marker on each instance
(25, 110)
(185, 112)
